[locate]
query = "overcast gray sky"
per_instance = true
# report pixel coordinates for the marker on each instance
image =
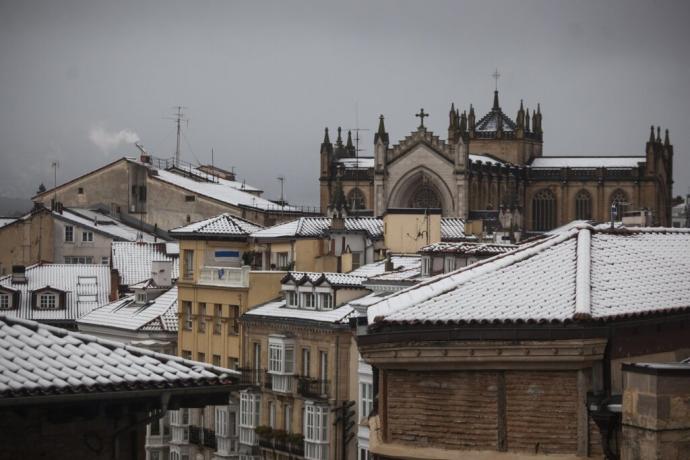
(80, 79)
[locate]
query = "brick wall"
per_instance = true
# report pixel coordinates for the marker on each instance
(527, 411)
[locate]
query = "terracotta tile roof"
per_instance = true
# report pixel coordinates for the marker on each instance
(586, 273)
(40, 360)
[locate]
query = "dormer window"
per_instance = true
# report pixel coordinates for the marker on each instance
(308, 300)
(291, 298)
(48, 301)
(140, 297)
(426, 265)
(325, 301)
(5, 301)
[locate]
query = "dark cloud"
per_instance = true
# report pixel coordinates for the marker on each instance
(262, 79)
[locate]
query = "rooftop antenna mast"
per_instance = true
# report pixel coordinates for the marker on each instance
(357, 129)
(178, 118)
(55, 165)
(282, 196)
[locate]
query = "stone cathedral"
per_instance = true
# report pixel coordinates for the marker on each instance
(493, 168)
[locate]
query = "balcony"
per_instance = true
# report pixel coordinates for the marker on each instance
(251, 376)
(281, 441)
(237, 277)
(280, 383)
(313, 388)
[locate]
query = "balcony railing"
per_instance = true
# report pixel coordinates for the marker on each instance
(313, 388)
(225, 276)
(282, 446)
(251, 376)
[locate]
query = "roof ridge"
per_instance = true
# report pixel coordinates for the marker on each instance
(583, 275)
(441, 284)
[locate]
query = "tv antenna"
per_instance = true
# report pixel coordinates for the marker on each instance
(178, 117)
(282, 183)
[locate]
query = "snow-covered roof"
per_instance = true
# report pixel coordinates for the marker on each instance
(317, 278)
(219, 191)
(6, 221)
(222, 225)
(468, 248)
(102, 223)
(159, 314)
(400, 262)
(133, 260)
(486, 159)
(357, 163)
(85, 287)
(278, 309)
(407, 274)
(586, 162)
(40, 360)
(584, 273)
(318, 227)
(453, 229)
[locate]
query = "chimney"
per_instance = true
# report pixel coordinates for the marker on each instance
(388, 265)
(114, 284)
(18, 274)
(161, 273)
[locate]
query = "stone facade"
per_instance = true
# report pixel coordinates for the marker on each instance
(489, 165)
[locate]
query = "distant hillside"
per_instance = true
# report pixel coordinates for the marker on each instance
(14, 206)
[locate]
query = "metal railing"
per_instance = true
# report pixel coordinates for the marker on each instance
(225, 276)
(313, 388)
(251, 376)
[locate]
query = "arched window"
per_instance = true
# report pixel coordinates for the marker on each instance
(583, 205)
(356, 200)
(425, 197)
(619, 199)
(543, 211)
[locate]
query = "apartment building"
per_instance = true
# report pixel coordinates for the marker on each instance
(299, 356)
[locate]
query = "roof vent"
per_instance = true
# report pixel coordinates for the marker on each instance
(18, 274)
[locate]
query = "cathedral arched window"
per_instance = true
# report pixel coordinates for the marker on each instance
(543, 210)
(583, 205)
(356, 200)
(619, 200)
(425, 197)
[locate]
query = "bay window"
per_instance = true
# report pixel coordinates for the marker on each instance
(250, 409)
(315, 432)
(281, 363)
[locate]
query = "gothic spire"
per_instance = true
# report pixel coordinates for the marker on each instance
(496, 106)
(521, 117)
(349, 140)
(326, 140)
(326, 145)
(527, 120)
(463, 122)
(339, 140)
(651, 134)
(381, 132)
(338, 201)
(452, 123)
(658, 134)
(470, 119)
(667, 141)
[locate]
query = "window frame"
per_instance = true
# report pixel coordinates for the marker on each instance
(281, 356)
(69, 230)
(87, 236)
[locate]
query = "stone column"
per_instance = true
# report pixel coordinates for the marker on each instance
(656, 411)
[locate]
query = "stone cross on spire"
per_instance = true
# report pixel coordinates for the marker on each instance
(421, 116)
(496, 76)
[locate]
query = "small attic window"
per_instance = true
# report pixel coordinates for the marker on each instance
(48, 301)
(5, 301)
(80, 190)
(190, 198)
(141, 297)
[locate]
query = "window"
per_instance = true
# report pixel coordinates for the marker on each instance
(282, 260)
(140, 297)
(308, 300)
(233, 363)
(364, 454)
(222, 419)
(189, 198)
(287, 417)
(583, 205)
(80, 190)
(272, 414)
(155, 428)
(47, 301)
(448, 264)
(306, 362)
(281, 356)
(356, 260)
(188, 255)
(187, 311)
(426, 266)
(217, 313)
(202, 317)
(5, 303)
(355, 199)
(315, 432)
(186, 354)
(543, 210)
(291, 298)
(619, 202)
(105, 260)
(234, 320)
(142, 193)
(216, 360)
(366, 399)
(201, 357)
(250, 409)
(87, 236)
(78, 260)
(325, 301)
(69, 234)
(323, 371)
(425, 197)
(154, 455)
